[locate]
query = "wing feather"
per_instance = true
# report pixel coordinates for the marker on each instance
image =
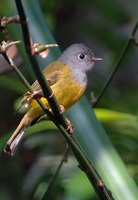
(52, 73)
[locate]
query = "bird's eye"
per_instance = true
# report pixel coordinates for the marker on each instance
(81, 56)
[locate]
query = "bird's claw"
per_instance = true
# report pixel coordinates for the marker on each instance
(70, 127)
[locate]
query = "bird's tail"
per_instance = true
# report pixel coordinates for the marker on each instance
(16, 137)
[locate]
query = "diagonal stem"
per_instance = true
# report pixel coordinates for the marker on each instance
(54, 176)
(116, 66)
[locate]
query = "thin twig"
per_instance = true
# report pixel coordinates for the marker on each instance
(54, 176)
(43, 50)
(8, 20)
(5, 45)
(25, 82)
(116, 65)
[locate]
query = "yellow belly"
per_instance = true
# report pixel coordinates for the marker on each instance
(67, 93)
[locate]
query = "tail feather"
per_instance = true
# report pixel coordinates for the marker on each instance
(14, 141)
(16, 137)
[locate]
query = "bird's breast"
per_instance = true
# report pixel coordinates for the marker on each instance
(67, 91)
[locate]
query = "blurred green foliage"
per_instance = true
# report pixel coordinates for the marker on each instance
(104, 26)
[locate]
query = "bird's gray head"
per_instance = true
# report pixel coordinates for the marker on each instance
(80, 59)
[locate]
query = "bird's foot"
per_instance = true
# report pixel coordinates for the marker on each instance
(70, 127)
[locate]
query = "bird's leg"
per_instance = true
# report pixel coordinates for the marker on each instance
(70, 127)
(62, 109)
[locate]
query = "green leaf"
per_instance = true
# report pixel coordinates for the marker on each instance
(79, 188)
(100, 150)
(124, 123)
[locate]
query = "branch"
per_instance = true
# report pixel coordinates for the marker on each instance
(54, 176)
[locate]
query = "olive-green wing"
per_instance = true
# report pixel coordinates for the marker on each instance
(52, 73)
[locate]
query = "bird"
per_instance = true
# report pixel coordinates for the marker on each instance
(67, 77)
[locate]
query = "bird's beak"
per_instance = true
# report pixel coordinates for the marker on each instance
(96, 59)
